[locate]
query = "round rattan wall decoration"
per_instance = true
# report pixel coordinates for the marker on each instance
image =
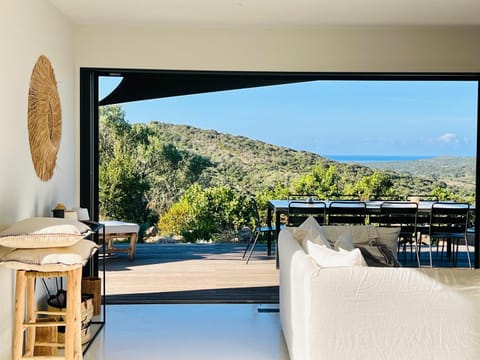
(44, 118)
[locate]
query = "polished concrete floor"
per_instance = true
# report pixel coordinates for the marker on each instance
(189, 332)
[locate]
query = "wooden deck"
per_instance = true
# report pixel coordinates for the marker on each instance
(191, 273)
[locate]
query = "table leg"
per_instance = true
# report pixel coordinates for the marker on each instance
(269, 234)
(277, 232)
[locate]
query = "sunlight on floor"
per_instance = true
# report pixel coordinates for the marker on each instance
(185, 332)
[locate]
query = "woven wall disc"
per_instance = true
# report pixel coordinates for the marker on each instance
(44, 118)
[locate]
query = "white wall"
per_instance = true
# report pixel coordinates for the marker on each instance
(28, 29)
(256, 48)
(323, 49)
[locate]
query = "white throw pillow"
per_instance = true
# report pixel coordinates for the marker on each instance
(344, 242)
(43, 232)
(326, 257)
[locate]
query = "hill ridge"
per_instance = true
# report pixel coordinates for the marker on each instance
(257, 163)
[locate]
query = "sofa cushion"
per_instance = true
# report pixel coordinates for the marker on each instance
(309, 230)
(326, 257)
(344, 242)
(311, 224)
(365, 235)
(318, 239)
(388, 236)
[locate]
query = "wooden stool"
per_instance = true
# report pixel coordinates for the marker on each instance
(25, 317)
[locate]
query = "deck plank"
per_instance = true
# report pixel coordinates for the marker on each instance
(192, 273)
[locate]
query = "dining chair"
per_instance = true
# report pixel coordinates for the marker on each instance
(301, 197)
(404, 215)
(449, 224)
(343, 197)
(421, 197)
(299, 211)
(423, 217)
(346, 213)
(259, 230)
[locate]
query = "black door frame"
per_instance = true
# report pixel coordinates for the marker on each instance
(89, 130)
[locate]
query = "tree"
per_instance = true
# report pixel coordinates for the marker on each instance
(321, 181)
(201, 213)
(113, 128)
(378, 185)
(121, 188)
(444, 194)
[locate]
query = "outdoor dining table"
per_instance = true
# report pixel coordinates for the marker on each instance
(277, 207)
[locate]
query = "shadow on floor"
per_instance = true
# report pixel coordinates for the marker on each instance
(248, 295)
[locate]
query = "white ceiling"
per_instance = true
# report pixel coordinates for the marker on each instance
(273, 12)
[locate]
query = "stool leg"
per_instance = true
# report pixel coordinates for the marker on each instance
(73, 341)
(31, 317)
(19, 315)
(78, 315)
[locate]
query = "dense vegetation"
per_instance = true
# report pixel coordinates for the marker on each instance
(197, 183)
(454, 171)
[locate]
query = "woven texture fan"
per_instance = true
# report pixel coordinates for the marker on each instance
(44, 119)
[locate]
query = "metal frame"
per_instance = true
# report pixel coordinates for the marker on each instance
(89, 120)
(347, 213)
(259, 229)
(449, 222)
(299, 211)
(403, 214)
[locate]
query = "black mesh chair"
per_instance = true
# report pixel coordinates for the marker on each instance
(259, 230)
(299, 211)
(404, 215)
(347, 213)
(449, 224)
(423, 217)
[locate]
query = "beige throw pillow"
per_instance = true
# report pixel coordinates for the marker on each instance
(344, 242)
(309, 230)
(43, 232)
(71, 255)
(311, 224)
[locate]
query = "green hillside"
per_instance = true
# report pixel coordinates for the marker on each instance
(196, 182)
(254, 165)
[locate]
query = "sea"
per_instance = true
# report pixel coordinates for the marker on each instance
(375, 158)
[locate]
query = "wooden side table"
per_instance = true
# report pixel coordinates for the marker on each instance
(26, 314)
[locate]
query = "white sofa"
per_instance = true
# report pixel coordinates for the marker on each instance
(357, 312)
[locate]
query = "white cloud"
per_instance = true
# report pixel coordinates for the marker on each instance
(448, 138)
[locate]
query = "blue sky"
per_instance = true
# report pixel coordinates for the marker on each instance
(331, 117)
